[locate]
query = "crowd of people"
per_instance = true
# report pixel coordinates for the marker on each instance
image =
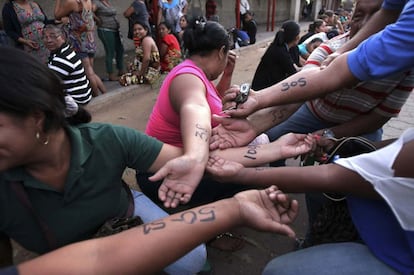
(207, 146)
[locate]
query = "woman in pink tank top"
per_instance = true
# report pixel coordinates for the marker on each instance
(182, 116)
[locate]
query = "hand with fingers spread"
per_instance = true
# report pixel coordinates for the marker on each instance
(181, 177)
(268, 210)
(231, 132)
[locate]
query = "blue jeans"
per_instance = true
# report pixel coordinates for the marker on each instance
(192, 262)
(327, 259)
(303, 121)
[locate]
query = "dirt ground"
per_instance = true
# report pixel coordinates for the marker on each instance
(131, 107)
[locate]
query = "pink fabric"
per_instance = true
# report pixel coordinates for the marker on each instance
(164, 122)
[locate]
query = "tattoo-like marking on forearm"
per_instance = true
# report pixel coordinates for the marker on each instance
(251, 151)
(204, 214)
(153, 226)
(261, 168)
(278, 114)
(287, 85)
(201, 132)
(208, 213)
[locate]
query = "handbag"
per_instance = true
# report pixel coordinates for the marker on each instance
(119, 224)
(333, 222)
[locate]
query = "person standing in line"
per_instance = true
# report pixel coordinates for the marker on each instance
(211, 10)
(81, 36)
(171, 11)
(24, 21)
(244, 7)
(108, 33)
(136, 12)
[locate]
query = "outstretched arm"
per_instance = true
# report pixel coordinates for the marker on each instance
(265, 210)
(299, 87)
(287, 146)
(236, 132)
(323, 178)
(182, 175)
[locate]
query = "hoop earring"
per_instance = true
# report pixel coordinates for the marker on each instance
(46, 142)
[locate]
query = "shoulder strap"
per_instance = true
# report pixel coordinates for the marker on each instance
(21, 194)
(131, 206)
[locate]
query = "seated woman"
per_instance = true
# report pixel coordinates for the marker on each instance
(182, 116)
(318, 26)
(306, 49)
(170, 52)
(70, 174)
(277, 64)
(145, 69)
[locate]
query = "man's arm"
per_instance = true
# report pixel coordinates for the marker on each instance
(322, 178)
(149, 248)
(359, 125)
(299, 87)
(377, 22)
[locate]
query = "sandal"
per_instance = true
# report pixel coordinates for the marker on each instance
(227, 242)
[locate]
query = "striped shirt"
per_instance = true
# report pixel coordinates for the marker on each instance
(68, 66)
(384, 96)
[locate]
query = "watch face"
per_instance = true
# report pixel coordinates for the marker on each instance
(328, 133)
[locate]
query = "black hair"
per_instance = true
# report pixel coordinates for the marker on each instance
(144, 25)
(166, 24)
(316, 39)
(316, 24)
(287, 33)
(202, 37)
(28, 86)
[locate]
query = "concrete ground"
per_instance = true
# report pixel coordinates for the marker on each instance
(131, 106)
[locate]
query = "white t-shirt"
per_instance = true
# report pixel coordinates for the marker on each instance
(376, 168)
(244, 6)
(321, 35)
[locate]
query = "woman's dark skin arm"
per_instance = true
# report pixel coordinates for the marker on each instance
(147, 249)
(323, 178)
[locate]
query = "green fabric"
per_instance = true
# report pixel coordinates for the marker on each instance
(93, 190)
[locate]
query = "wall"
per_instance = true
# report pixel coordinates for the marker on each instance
(226, 12)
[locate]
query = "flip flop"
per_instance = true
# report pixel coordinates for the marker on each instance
(227, 242)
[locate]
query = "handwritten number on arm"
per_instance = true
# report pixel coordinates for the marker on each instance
(201, 132)
(205, 214)
(300, 82)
